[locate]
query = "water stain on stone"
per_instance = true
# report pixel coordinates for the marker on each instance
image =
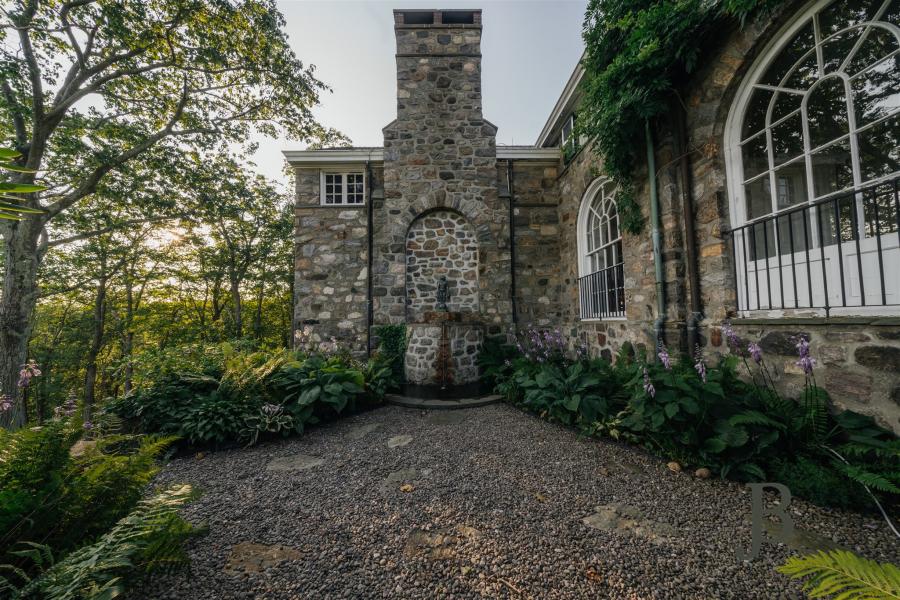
(297, 462)
(249, 557)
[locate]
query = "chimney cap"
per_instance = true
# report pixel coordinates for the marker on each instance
(438, 18)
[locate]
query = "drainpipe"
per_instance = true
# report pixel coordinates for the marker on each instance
(512, 241)
(657, 244)
(370, 313)
(687, 205)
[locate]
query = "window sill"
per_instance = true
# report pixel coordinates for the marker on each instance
(601, 320)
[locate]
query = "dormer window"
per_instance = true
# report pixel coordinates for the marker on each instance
(343, 188)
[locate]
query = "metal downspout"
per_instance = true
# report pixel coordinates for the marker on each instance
(655, 236)
(687, 205)
(512, 241)
(370, 313)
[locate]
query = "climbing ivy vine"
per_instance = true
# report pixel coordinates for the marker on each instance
(636, 54)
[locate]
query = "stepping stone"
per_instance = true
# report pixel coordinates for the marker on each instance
(297, 462)
(394, 479)
(437, 544)
(621, 518)
(358, 433)
(248, 557)
(399, 440)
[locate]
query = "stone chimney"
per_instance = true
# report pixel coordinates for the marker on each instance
(440, 158)
(438, 62)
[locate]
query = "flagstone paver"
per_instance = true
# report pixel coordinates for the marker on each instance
(487, 503)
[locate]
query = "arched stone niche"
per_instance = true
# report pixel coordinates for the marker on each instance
(439, 243)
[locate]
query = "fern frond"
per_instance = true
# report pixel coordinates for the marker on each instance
(844, 575)
(754, 417)
(96, 570)
(875, 481)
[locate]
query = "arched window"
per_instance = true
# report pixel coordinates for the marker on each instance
(813, 147)
(600, 267)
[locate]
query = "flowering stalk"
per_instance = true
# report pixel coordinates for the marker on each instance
(664, 357)
(700, 364)
(648, 385)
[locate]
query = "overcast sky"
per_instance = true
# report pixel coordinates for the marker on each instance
(529, 49)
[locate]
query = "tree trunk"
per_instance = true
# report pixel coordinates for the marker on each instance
(90, 373)
(236, 308)
(128, 337)
(257, 319)
(20, 293)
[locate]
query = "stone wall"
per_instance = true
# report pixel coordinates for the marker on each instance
(441, 243)
(536, 222)
(330, 265)
(443, 353)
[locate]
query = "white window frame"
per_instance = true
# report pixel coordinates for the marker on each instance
(343, 174)
(734, 165)
(604, 189)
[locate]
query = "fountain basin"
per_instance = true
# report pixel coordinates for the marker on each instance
(443, 350)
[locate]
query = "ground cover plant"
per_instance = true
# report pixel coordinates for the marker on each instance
(72, 519)
(707, 415)
(223, 395)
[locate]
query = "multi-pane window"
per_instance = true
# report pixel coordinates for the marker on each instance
(814, 144)
(343, 188)
(601, 268)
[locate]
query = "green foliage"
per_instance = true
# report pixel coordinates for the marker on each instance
(149, 538)
(11, 191)
(818, 482)
(495, 359)
(61, 496)
(636, 54)
(34, 463)
(392, 342)
(844, 576)
(708, 416)
(242, 395)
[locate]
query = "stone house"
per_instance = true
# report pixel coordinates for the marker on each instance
(773, 204)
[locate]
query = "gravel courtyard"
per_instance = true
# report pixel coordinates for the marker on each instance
(480, 503)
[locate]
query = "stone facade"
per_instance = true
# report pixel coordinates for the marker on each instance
(330, 266)
(516, 211)
(858, 356)
(443, 353)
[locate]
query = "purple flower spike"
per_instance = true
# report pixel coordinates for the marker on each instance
(87, 425)
(5, 403)
(755, 352)
(648, 385)
(730, 336)
(699, 363)
(664, 357)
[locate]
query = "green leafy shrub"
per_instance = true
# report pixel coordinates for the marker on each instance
(61, 495)
(149, 538)
(240, 396)
(392, 341)
(495, 359)
(705, 415)
(34, 464)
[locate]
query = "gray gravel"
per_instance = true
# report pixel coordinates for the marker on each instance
(480, 503)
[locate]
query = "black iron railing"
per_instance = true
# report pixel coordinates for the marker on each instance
(602, 293)
(842, 251)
